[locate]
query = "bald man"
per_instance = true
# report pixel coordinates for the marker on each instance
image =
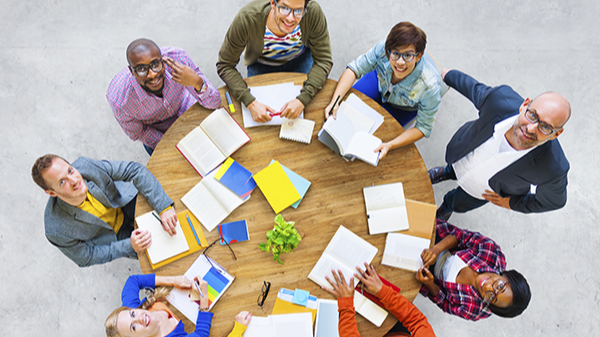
(157, 87)
(509, 156)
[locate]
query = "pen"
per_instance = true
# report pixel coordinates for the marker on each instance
(193, 230)
(378, 154)
(231, 108)
(157, 218)
(275, 114)
(333, 106)
(198, 288)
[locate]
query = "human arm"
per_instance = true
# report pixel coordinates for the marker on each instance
(344, 84)
(469, 87)
(550, 195)
(406, 312)
(424, 276)
(344, 293)
(430, 255)
(241, 324)
(496, 199)
(292, 109)
(130, 295)
(140, 240)
(405, 138)
(204, 320)
(316, 36)
(187, 73)
(260, 112)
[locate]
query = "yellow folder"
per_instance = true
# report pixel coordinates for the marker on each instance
(276, 187)
(285, 307)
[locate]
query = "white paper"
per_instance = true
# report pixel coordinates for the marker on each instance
(200, 151)
(224, 132)
(274, 96)
(285, 325)
(404, 251)
(386, 208)
(326, 323)
(163, 245)
(364, 108)
(369, 310)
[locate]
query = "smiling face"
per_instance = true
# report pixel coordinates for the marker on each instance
(550, 108)
(280, 24)
(137, 323)
(403, 68)
(484, 283)
(65, 182)
(153, 82)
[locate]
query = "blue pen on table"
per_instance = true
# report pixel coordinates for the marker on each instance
(193, 230)
(198, 288)
(229, 102)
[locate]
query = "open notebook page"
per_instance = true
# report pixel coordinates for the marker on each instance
(163, 245)
(404, 251)
(224, 131)
(200, 150)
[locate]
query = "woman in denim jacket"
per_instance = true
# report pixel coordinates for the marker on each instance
(396, 75)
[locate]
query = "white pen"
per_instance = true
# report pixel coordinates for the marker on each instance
(198, 288)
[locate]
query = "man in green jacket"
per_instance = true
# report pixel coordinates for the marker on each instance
(277, 36)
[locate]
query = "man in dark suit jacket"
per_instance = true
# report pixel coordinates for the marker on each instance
(518, 164)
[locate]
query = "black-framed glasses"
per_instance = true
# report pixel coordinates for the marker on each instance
(142, 69)
(498, 287)
(264, 293)
(285, 11)
(407, 57)
(209, 260)
(544, 128)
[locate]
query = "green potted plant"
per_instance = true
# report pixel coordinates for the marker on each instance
(283, 238)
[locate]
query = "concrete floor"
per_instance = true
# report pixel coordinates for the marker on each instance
(57, 59)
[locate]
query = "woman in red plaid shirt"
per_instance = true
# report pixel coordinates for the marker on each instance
(469, 276)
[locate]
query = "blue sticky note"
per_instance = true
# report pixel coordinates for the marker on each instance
(300, 297)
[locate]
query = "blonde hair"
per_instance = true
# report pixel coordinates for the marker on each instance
(159, 294)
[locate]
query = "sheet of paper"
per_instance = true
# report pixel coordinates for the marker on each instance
(293, 325)
(363, 107)
(326, 324)
(200, 151)
(275, 96)
(386, 208)
(227, 135)
(362, 146)
(163, 245)
(404, 251)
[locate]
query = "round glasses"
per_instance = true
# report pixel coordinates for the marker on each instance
(285, 11)
(407, 57)
(498, 287)
(542, 126)
(142, 69)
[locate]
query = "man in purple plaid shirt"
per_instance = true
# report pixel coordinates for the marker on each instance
(157, 87)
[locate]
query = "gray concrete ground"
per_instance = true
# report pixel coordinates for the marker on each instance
(57, 59)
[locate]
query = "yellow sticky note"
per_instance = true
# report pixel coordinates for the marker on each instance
(276, 187)
(224, 168)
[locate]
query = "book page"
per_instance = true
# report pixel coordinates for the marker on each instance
(404, 251)
(205, 207)
(293, 325)
(341, 130)
(369, 310)
(323, 268)
(200, 151)
(224, 132)
(163, 245)
(360, 122)
(365, 109)
(362, 146)
(226, 198)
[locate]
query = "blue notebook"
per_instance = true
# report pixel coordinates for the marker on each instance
(300, 183)
(236, 177)
(233, 232)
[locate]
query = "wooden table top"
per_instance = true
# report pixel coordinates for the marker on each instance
(335, 198)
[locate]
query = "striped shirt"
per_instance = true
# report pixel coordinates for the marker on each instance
(279, 50)
(147, 117)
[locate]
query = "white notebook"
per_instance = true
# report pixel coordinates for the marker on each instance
(299, 130)
(163, 245)
(211, 202)
(386, 208)
(285, 325)
(404, 251)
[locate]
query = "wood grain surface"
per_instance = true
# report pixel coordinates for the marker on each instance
(335, 198)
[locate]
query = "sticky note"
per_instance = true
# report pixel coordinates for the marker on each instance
(300, 297)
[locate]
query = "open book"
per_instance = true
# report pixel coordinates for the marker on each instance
(214, 274)
(211, 202)
(275, 96)
(386, 208)
(349, 136)
(163, 245)
(209, 144)
(404, 251)
(286, 325)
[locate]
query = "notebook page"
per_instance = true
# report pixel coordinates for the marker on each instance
(205, 207)
(163, 245)
(404, 251)
(200, 150)
(224, 131)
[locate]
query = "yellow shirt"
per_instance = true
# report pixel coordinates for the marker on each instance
(238, 330)
(112, 216)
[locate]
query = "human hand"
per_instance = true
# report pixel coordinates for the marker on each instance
(169, 221)
(292, 109)
(243, 318)
(444, 72)
(260, 112)
(181, 282)
(425, 276)
(369, 279)
(384, 148)
(340, 287)
(183, 74)
(429, 257)
(335, 109)
(140, 240)
(496, 199)
(202, 297)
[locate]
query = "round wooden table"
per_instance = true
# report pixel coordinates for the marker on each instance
(335, 198)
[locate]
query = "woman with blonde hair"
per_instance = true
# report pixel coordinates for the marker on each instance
(151, 317)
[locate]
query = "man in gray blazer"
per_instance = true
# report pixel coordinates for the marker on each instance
(91, 209)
